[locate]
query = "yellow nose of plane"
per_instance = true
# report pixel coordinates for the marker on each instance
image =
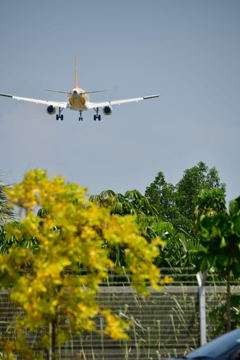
(75, 93)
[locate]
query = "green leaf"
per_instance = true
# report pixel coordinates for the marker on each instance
(234, 206)
(237, 225)
(223, 243)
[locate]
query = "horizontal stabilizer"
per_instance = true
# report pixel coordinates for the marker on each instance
(60, 91)
(82, 92)
(93, 92)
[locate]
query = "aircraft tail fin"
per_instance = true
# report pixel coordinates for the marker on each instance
(75, 73)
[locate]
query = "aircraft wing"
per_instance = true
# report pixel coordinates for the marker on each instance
(94, 105)
(62, 105)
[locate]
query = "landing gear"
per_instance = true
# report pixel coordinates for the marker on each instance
(59, 115)
(97, 116)
(80, 116)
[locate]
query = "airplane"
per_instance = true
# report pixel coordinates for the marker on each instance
(78, 100)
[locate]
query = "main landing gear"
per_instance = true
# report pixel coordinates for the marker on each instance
(59, 115)
(97, 116)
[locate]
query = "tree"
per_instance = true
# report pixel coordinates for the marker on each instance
(63, 277)
(194, 180)
(220, 232)
(176, 204)
(132, 202)
(161, 196)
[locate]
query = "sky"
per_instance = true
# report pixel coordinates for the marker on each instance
(188, 51)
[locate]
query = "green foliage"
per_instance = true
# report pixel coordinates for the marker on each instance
(132, 202)
(219, 230)
(194, 180)
(176, 204)
(218, 315)
(157, 215)
(161, 196)
(9, 235)
(210, 202)
(220, 237)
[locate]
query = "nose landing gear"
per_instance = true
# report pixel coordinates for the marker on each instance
(80, 116)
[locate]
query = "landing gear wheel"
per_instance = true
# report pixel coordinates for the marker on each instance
(80, 116)
(97, 116)
(59, 115)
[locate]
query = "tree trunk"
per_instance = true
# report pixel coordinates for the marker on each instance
(228, 300)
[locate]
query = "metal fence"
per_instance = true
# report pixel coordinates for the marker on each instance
(163, 324)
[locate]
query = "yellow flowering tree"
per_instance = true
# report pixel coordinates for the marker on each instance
(61, 278)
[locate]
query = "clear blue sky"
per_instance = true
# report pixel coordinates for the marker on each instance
(186, 50)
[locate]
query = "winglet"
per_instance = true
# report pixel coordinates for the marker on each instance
(151, 96)
(75, 73)
(6, 95)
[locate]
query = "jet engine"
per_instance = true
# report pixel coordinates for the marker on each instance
(51, 110)
(107, 110)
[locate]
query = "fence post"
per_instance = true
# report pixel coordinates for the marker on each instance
(202, 307)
